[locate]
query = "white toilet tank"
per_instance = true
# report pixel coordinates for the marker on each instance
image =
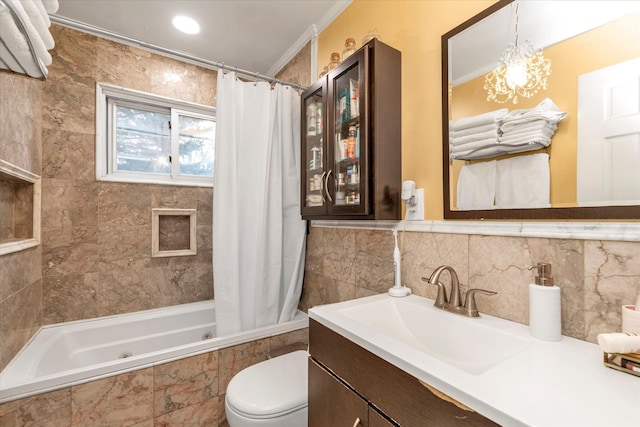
(270, 393)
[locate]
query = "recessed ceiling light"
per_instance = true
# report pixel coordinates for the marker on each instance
(186, 25)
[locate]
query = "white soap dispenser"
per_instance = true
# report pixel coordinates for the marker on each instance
(544, 306)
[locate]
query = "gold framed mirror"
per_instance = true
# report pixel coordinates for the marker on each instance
(580, 39)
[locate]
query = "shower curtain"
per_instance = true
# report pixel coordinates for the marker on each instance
(258, 235)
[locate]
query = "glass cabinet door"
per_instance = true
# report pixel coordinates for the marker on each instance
(351, 138)
(348, 137)
(314, 153)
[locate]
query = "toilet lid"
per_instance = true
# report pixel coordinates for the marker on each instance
(271, 388)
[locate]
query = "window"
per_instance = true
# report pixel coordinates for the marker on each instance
(148, 138)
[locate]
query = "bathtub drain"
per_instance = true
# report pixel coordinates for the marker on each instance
(125, 354)
(207, 336)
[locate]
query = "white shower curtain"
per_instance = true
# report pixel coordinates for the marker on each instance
(258, 235)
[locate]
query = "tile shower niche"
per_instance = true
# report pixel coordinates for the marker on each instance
(19, 208)
(173, 232)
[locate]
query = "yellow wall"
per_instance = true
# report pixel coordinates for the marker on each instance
(415, 28)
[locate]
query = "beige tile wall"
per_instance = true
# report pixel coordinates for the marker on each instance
(20, 272)
(596, 277)
(97, 235)
(95, 257)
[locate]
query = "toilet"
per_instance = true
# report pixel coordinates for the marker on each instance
(270, 393)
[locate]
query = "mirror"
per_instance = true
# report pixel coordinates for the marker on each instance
(582, 171)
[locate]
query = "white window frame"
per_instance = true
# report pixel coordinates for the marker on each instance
(107, 97)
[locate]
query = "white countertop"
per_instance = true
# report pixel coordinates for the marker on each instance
(562, 383)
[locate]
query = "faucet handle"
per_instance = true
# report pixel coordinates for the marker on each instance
(441, 299)
(470, 301)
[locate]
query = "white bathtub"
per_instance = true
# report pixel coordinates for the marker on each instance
(73, 353)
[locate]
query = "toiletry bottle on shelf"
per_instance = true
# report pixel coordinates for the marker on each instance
(544, 306)
(319, 118)
(372, 34)
(334, 60)
(351, 143)
(312, 111)
(343, 105)
(349, 48)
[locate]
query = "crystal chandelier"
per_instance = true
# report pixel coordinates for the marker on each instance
(522, 72)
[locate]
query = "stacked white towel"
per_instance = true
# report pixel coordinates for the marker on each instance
(476, 136)
(530, 129)
(24, 35)
(501, 132)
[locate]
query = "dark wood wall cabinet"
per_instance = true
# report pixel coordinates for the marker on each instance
(351, 138)
(350, 386)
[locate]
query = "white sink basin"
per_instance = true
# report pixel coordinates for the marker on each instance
(473, 345)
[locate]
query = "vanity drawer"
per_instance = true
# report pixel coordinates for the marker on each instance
(397, 394)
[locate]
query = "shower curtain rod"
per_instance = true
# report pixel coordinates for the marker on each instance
(168, 52)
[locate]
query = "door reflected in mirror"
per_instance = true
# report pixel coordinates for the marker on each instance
(527, 163)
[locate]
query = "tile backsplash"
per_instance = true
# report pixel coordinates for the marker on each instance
(596, 277)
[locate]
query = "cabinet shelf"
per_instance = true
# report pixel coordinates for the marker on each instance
(349, 122)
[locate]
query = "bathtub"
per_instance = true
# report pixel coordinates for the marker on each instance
(72, 353)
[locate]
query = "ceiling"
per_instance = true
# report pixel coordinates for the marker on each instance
(255, 35)
(475, 51)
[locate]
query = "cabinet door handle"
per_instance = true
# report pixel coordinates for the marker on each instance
(357, 423)
(326, 185)
(322, 180)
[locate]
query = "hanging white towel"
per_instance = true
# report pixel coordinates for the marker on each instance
(50, 6)
(24, 36)
(40, 20)
(477, 186)
(479, 120)
(523, 182)
(14, 48)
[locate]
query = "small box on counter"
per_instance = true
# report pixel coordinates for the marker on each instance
(629, 362)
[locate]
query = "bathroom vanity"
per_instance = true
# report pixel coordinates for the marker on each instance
(348, 383)
(383, 361)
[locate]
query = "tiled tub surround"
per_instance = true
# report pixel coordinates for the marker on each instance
(96, 249)
(188, 391)
(95, 257)
(596, 276)
(20, 272)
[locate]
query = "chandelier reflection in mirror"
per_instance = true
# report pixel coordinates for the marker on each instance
(522, 72)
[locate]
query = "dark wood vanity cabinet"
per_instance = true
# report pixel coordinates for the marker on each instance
(335, 404)
(346, 382)
(351, 139)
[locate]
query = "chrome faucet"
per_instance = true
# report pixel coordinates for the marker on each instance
(452, 304)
